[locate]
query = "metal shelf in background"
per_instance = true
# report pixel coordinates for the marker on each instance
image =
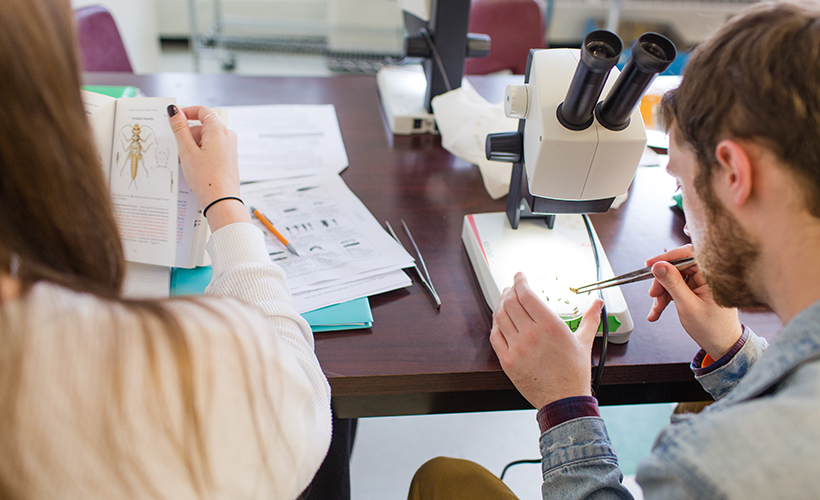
(223, 36)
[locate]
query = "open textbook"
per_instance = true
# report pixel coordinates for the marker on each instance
(159, 218)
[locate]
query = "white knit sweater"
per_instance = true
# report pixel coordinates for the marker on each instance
(259, 390)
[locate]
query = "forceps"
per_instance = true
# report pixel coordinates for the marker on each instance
(424, 277)
(639, 275)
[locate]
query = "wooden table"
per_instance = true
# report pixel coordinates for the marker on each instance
(418, 360)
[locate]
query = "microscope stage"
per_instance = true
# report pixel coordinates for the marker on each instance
(553, 260)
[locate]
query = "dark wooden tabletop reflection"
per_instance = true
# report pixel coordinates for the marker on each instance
(416, 359)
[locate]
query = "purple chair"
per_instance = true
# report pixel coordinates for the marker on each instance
(101, 47)
(514, 26)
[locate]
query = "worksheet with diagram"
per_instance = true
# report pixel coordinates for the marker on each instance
(336, 236)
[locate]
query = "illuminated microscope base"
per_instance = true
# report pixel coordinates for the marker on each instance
(553, 260)
(402, 90)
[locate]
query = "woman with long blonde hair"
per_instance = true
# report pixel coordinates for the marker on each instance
(105, 397)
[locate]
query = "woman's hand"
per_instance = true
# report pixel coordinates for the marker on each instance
(209, 162)
(716, 329)
(539, 353)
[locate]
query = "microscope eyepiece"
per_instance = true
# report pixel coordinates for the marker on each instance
(599, 53)
(600, 50)
(654, 50)
(652, 54)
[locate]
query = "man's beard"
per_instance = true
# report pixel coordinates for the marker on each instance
(726, 257)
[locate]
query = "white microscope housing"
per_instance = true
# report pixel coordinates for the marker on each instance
(574, 153)
(590, 164)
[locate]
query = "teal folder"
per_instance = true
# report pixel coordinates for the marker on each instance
(190, 281)
(113, 90)
(349, 315)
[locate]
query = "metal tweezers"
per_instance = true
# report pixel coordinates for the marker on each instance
(639, 275)
(423, 277)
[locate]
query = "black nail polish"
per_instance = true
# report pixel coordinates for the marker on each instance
(172, 110)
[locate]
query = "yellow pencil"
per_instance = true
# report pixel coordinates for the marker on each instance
(264, 220)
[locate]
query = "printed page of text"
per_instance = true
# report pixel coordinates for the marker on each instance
(282, 141)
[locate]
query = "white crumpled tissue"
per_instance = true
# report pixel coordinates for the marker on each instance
(464, 119)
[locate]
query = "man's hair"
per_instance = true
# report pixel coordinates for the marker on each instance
(757, 78)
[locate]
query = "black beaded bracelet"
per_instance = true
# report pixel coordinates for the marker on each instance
(205, 212)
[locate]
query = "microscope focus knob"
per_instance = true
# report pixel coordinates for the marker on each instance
(516, 101)
(505, 146)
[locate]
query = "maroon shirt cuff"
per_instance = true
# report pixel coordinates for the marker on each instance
(566, 409)
(697, 362)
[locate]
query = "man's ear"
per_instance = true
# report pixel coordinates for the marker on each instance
(733, 182)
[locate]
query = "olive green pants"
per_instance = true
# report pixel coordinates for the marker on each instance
(445, 478)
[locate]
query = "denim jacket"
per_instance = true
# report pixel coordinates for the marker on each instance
(761, 439)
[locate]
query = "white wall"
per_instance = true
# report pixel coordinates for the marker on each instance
(366, 26)
(137, 23)
(173, 15)
(692, 19)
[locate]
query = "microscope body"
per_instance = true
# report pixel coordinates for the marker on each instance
(574, 153)
(572, 165)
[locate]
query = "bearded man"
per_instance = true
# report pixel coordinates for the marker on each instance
(745, 148)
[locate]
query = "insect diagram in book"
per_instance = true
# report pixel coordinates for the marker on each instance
(135, 141)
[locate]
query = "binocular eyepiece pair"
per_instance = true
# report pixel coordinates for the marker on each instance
(652, 54)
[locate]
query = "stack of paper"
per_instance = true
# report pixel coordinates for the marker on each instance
(344, 253)
(290, 157)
